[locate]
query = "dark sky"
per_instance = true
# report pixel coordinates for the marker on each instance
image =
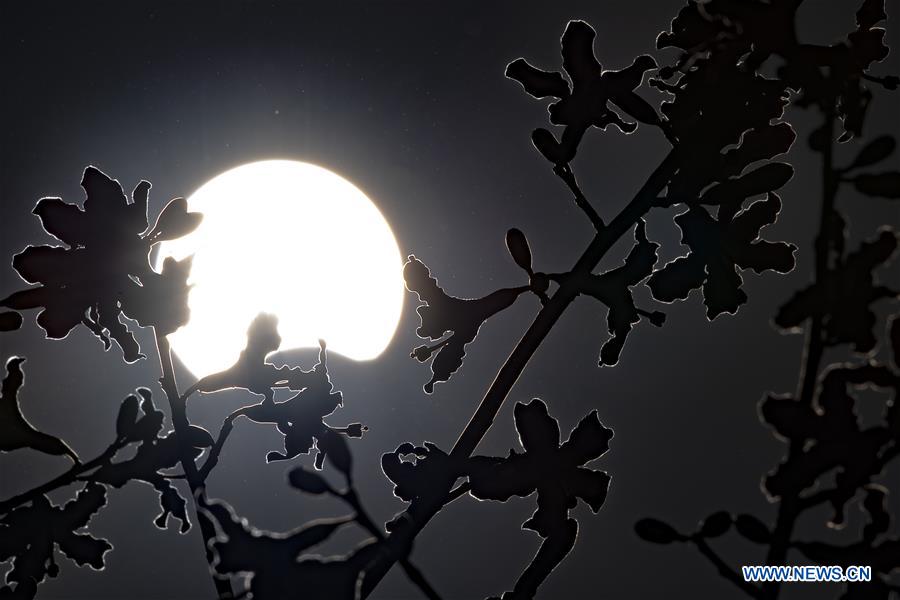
(408, 101)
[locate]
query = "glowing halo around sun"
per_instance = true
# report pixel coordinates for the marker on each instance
(292, 239)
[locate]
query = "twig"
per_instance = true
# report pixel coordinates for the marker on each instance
(790, 506)
(181, 424)
(565, 173)
(422, 510)
(69, 477)
(213, 458)
(365, 521)
(725, 570)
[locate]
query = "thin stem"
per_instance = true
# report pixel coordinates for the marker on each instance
(790, 506)
(565, 173)
(725, 569)
(458, 491)
(71, 476)
(422, 510)
(213, 458)
(181, 424)
(365, 521)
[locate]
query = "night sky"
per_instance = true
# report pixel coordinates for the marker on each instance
(408, 101)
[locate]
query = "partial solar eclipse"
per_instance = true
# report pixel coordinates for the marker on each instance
(292, 239)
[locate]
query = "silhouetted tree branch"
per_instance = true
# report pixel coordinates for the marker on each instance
(724, 117)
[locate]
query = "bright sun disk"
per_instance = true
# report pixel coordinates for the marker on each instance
(292, 239)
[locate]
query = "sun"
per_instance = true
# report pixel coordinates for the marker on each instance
(292, 239)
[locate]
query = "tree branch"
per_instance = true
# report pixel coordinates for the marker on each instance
(565, 173)
(422, 510)
(790, 507)
(69, 477)
(366, 522)
(181, 424)
(213, 458)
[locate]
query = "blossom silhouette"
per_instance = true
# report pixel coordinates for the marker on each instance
(32, 534)
(442, 313)
(718, 249)
(844, 298)
(103, 271)
(300, 418)
(556, 472)
(586, 101)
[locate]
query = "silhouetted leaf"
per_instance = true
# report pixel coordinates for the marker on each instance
(766, 178)
(443, 313)
(716, 524)
(174, 221)
(197, 437)
(517, 244)
(874, 152)
(551, 149)
(307, 481)
(334, 447)
(885, 185)
(10, 320)
(15, 430)
(752, 529)
(656, 532)
(127, 417)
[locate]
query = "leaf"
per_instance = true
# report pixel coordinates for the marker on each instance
(517, 244)
(307, 481)
(885, 185)
(197, 437)
(766, 178)
(874, 152)
(657, 532)
(15, 430)
(870, 13)
(174, 221)
(128, 412)
(84, 549)
(752, 529)
(336, 449)
(546, 144)
(538, 83)
(10, 320)
(716, 524)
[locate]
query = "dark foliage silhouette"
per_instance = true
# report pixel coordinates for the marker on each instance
(725, 116)
(15, 430)
(834, 457)
(104, 270)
